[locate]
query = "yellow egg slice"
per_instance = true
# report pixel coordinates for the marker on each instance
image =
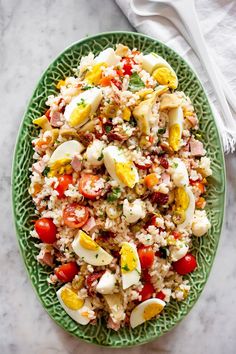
(130, 265)
(146, 311)
(175, 127)
(94, 75)
(185, 206)
(89, 251)
(71, 299)
(119, 167)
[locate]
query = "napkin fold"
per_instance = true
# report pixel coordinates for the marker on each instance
(217, 21)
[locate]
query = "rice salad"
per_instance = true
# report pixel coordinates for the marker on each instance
(118, 183)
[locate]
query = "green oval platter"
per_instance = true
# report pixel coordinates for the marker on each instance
(204, 248)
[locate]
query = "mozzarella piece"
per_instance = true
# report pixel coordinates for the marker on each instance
(106, 283)
(200, 224)
(178, 252)
(133, 211)
(94, 153)
(179, 173)
(108, 56)
(66, 151)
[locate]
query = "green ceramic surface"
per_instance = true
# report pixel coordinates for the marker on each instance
(204, 248)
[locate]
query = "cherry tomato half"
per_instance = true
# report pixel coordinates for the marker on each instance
(66, 272)
(88, 188)
(146, 256)
(75, 215)
(185, 265)
(46, 230)
(63, 183)
(160, 295)
(147, 291)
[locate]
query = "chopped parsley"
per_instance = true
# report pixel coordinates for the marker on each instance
(100, 157)
(87, 88)
(135, 83)
(133, 122)
(126, 268)
(175, 165)
(108, 128)
(161, 131)
(96, 255)
(82, 103)
(114, 195)
(164, 251)
(45, 171)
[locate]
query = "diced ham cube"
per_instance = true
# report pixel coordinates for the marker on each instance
(39, 166)
(90, 224)
(165, 178)
(45, 258)
(76, 163)
(56, 119)
(193, 120)
(196, 148)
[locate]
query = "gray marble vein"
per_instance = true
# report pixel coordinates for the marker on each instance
(32, 33)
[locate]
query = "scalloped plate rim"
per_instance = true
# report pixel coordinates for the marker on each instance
(13, 169)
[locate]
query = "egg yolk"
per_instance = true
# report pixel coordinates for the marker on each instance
(152, 310)
(79, 114)
(60, 167)
(94, 75)
(181, 198)
(125, 173)
(165, 76)
(71, 299)
(174, 136)
(128, 259)
(87, 243)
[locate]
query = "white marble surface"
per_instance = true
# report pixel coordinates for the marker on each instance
(31, 34)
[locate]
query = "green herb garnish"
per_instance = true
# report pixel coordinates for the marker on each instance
(100, 157)
(82, 103)
(87, 88)
(108, 128)
(45, 171)
(135, 83)
(175, 165)
(161, 130)
(164, 251)
(126, 268)
(114, 195)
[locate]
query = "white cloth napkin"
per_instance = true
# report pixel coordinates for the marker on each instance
(217, 21)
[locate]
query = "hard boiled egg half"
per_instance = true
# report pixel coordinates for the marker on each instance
(130, 265)
(160, 70)
(176, 119)
(145, 311)
(59, 162)
(76, 307)
(184, 207)
(81, 107)
(89, 251)
(119, 167)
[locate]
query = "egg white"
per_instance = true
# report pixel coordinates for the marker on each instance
(132, 277)
(152, 61)
(108, 56)
(76, 315)
(97, 257)
(66, 151)
(136, 317)
(92, 97)
(179, 173)
(112, 155)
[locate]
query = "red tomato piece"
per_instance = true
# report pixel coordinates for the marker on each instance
(185, 265)
(63, 184)
(147, 291)
(160, 295)
(146, 256)
(176, 234)
(146, 276)
(66, 272)
(88, 188)
(75, 215)
(128, 65)
(47, 114)
(46, 229)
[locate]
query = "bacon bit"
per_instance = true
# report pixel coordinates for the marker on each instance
(86, 138)
(159, 198)
(92, 278)
(164, 162)
(56, 119)
(117, 136)
(146, 166)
